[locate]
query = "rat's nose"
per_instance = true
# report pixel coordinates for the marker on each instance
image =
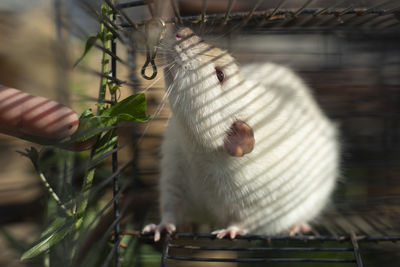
(182, 33)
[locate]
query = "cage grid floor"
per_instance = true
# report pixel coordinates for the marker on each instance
(337, 239)
(340, 232)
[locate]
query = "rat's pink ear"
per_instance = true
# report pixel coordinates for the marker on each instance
(239, 139)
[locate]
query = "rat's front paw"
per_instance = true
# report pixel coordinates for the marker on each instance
(158, 229)
(233, 231)
(302, 227)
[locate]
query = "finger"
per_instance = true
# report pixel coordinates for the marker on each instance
(79, 146)
(22, 113)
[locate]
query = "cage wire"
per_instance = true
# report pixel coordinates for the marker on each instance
(373, 28)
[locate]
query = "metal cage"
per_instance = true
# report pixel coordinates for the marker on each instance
(372, 27)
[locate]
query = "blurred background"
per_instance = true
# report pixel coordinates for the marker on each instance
(351, 61)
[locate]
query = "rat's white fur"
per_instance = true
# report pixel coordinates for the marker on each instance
(288, 177)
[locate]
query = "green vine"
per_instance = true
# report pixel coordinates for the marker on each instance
(101, 126)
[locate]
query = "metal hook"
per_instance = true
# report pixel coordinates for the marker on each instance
(153, 65)
(150, 55)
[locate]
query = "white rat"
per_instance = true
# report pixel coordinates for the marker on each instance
(247, 151)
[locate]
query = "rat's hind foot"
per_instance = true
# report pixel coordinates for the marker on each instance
(302, 227)
(233, 231)
(158, 229)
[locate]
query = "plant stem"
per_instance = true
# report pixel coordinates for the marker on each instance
(52, 193)
(105, 66)
(105, 63)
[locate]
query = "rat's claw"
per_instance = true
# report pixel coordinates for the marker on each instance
(233, 231)
(299, 228)
(149, 228)
(163, 226)
(158, 229)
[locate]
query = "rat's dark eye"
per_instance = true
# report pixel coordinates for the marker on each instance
(220, 75)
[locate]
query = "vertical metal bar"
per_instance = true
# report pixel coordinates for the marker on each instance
(112, 27)
(365, 20)
(356, 249)
(175, 7)
(266, 17)
(203, 16)
(246, 20)
(394, 10)
(320, 12)
(132, 4)
(325, 9)
(292, 20)
(165, 250)
(117, 240)
(61, 50)
(151, 9)
(336, 17)
(302, 8)
(277, 7)
(346, 10)
(228, 11)
(203, 11)
(57, 11)
(377, 6)
(382, 21)
(118, 9)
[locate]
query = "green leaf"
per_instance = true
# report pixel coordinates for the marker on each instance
(56, 232)
(89, 126)
(127, 117)
(108, 120)
(87, 114)
(56, 224)
(113, 87)
(132, 108)
(105, 144)
(89, 44)
(106, 11)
